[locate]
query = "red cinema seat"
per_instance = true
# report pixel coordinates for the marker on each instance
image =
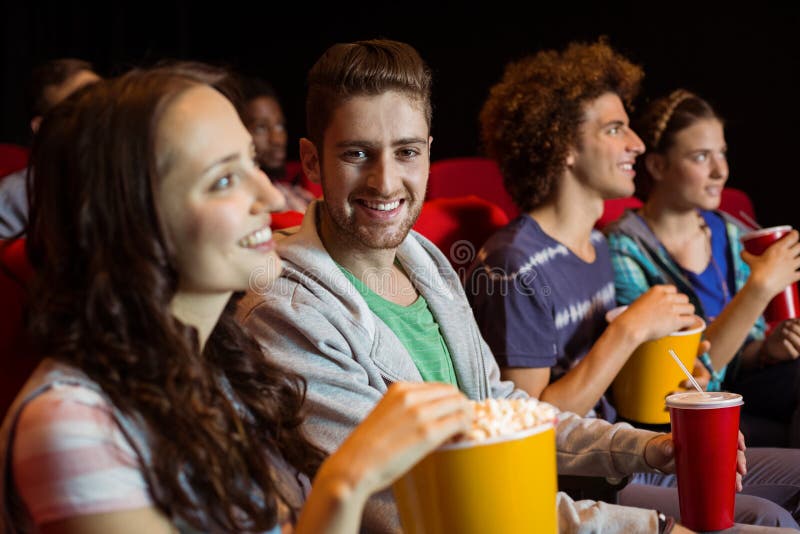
(17, 359)
(614, 208)
(737, 203)
(12, 158)
(458, 177)
(459, 226)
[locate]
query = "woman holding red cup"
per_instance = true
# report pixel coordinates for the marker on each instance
(679, 237)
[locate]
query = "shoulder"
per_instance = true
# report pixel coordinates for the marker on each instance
(70, 457)
(516, 245)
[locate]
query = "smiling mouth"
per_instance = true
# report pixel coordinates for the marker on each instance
(257, 238)
(380, 206)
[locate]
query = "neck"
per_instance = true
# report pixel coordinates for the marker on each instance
(350, 253)
(666, 220)
(570, 215)
(200, 310)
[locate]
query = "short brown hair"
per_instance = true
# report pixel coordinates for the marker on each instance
(369, 67)
(533, 115)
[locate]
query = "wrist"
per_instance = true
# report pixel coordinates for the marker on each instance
(626, 333)
(340, 485)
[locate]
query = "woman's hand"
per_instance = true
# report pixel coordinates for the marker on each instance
(776, 268)
(411, 420)
(783, 343)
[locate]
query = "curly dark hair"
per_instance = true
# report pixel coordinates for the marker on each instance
(532, 116)
(658, 124)
(101, 302)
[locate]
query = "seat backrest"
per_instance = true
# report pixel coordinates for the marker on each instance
(458, 177)
(459, 226)
(614, 208)
(285, 219)
(17, 359)
(737, 203)
(12, 158)
(294, 169)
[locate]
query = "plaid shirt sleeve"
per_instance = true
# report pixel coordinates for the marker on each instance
(632, 272)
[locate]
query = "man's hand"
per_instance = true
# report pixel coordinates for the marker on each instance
(659, 453)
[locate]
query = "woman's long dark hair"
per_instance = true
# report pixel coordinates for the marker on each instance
(101, 302)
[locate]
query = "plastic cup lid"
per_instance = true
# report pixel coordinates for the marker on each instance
(766, 231)
(694, 400)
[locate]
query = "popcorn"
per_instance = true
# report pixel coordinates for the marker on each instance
(499, 417)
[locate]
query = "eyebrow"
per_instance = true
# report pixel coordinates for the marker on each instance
(370, 144)
(227, 159)
(615, 122)
(220, 161)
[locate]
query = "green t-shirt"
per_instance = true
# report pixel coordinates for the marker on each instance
(416, 328)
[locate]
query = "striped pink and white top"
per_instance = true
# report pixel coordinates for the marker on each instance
(70, 458)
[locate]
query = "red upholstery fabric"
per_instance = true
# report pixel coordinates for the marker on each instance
(614, 208)
(293, 168)
(459, 226)
(285, 219)
(12, 158)
(456, 177)
(735, 202)
(16, 357)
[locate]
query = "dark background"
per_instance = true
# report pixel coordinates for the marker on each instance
(743, 60)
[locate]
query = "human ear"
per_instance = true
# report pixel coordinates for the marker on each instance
(655, 165)
(309, 157)
(35, 123)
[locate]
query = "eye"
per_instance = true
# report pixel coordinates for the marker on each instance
(408, 153)
(614, 130)
(355, 155)
(222, 183)
(701, 157)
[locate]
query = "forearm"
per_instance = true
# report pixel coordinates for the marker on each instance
(730, 329)
(594, 447)
(334, 506)
(580, 389)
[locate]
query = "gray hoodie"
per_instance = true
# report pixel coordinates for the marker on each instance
(313, 321)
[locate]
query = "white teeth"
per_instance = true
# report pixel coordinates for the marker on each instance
(382, 206)
(627, 166)
(256, 238)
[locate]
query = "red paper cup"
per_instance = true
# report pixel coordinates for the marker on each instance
(705, 429)
(786, 304)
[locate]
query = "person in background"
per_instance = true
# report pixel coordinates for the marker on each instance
(263, 116)
(679, 237)
(364, 301)
(154, 411)
(49, 84)
(540, 287)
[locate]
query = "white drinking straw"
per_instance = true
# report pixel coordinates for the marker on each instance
(749, 220)
(685, 370)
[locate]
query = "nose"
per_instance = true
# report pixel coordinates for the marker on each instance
(277, 135)
(635, 143)
(266, 196)
(382, 175)
(719, 167)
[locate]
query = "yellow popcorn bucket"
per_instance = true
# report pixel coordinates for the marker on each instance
(650, 374)
(505, 484)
